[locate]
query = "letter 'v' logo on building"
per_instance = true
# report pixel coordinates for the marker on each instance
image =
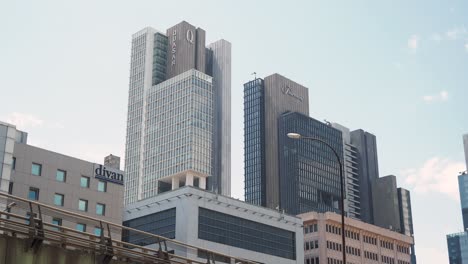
(287, 90)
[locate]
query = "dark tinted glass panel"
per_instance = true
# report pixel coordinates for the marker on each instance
(309, 170)
(242, 233)
(162, 223)
(254, 144)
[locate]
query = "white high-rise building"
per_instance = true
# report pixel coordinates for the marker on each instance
(178, 126)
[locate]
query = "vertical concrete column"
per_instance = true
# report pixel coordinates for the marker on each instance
(175, 183)
(202, 183)
(189, 180)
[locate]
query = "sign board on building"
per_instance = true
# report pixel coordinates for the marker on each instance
(108, 174)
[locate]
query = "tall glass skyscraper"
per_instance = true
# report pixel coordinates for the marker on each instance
(254, 151)
(351, 172)
(457, 243)
(178, 126)
(465, 148)
(264, 102)
(309, 170)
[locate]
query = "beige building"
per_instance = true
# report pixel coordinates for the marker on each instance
(61, 181)
(365, 243)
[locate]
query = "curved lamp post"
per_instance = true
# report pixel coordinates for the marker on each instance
(299, 136)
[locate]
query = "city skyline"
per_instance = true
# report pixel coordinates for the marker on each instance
(415, 65)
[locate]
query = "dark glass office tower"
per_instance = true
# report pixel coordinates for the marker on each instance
(368, 170)
(309, 171)
(254, 153)
(406, 217)
(264, 102)
(457, 248)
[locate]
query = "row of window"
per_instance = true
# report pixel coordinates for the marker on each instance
(369, 240)
(310, 228)
(352, 234)
(333, 229)
(371, 255)
(60, 198)
(312, 260)
(61, 176)
(334, 261)
(403, 262)
(403, 249)
(334, 246)
(353, 251)
(308, 245)
(386, 244)
(79, 226)
(387, 260)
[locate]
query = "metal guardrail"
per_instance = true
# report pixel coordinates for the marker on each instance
(27, 219)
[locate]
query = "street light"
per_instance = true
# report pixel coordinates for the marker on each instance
(299, 136)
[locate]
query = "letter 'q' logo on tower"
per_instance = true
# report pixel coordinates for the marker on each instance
(190, 36)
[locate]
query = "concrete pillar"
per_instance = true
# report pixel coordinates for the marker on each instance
(175, 183)
(189, 180)
(202, 183)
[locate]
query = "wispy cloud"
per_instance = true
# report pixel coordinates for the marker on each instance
(413, 42)
(23, 120)
(456, 33)
(439, 97)
(435, 175)
(466, 47)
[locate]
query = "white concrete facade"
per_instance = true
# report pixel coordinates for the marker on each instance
(188, 201)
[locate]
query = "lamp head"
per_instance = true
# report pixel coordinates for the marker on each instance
(294, 135)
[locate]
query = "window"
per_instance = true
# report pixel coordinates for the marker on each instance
(162, 223)
(97, 231)
(58, 199)
(13, 165)
(36, 169)
(100, 209)
(57, 222)
(83, 205)
(102, 186)
(84, 182)
(233, 231)
(10, 188)
(33, 193)
(81, 227)
(61, 175)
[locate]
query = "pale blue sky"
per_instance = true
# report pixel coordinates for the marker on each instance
(397, 69)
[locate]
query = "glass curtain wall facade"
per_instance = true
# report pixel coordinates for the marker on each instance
(309, 171)
(463, 188)
(351, 172)
(242, 233)
(162, 223)
(366, 145)
(254, 142)
(406, 217)
(458, 248)
(140, 82)
(159, 58)
(179, 129)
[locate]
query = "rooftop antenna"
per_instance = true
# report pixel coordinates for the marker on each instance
(255, 75)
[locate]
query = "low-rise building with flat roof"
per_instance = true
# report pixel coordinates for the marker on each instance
(365, 243)
(61, 181)
(218, 223)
